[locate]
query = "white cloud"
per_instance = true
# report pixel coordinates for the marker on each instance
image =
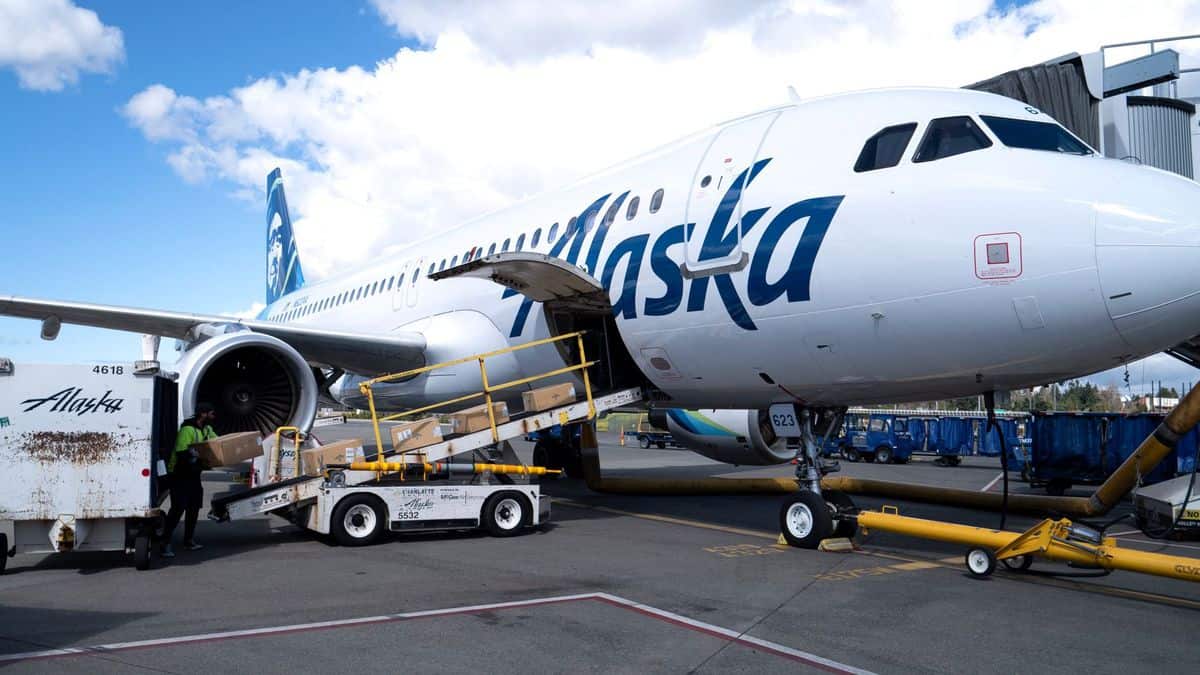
(531, 29)
(513, 98)
(50, 42)
(248, 313)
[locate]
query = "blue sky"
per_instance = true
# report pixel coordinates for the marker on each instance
(91, 209)
(498, 102)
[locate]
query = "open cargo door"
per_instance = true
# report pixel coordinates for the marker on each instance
(539, 277)
(573, 301)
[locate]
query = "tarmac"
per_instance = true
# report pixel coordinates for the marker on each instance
(613, 584)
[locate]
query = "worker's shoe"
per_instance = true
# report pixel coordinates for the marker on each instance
(191, 546)
(166, 551)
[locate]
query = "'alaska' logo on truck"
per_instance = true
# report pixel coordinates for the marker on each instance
(720, 240)
(72, 400)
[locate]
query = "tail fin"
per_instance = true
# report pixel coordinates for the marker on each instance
(283, 260)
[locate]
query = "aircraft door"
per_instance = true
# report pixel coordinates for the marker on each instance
(718, 192)
(415, 281)
(400, 292)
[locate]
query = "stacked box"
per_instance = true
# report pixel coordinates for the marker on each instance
(314, 460)
(476, 419)
(548, 397)
(229, 449)
(416, 434)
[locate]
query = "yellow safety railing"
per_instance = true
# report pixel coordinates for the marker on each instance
(367, 387)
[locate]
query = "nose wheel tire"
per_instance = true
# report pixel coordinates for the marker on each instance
(506, 514)
(804, 520)
(981, 562)
(359, 520)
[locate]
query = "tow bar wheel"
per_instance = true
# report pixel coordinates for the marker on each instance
(981, 562)
(804, 520)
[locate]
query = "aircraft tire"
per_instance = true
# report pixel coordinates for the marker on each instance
(805, 520)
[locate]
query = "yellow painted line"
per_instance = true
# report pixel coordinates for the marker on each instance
(759, 534)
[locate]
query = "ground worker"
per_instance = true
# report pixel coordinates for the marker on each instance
(187, 494)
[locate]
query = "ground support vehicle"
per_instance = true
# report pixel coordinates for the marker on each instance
(80, 446)
(649, 437)
(464, 481)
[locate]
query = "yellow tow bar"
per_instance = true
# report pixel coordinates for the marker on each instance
(1059, 540)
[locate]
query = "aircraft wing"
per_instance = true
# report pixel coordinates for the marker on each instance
(363, 353)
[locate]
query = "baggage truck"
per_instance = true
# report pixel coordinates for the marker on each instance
(79, 451)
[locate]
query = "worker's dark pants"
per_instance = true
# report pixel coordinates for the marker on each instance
(187, 495)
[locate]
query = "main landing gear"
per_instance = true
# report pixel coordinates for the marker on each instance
(810, 515)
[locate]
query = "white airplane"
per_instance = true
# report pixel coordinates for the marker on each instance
(881, 246)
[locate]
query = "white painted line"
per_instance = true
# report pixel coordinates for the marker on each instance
(732, 635)
(759, 644)
(994, 481)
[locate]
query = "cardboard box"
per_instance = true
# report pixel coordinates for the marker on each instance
(314, 460)
(548, 397)
(416, 434)
(476, 419)
(229, 449)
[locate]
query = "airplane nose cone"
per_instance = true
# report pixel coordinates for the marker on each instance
(1148, 254)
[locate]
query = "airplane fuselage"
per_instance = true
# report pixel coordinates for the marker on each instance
(758, 265)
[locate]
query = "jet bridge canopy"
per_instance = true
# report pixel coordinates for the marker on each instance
(539, 277)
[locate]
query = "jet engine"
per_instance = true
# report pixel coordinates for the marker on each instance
(743, 437)
(256, 382)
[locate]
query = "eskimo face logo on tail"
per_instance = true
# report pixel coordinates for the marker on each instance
(275, 255)
(720, 241)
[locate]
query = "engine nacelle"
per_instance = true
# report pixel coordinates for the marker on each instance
(256, 382)
(743, 437)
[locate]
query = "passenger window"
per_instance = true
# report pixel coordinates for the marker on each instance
(442, 265)
(610, 215)
(656, 200)
(492, 248)
(521, 241)
(1032, 135)
(374, 287)
(885, 148)
(537, 235)
(504, 246)
(401, 281)
(431, 266)
(553, 234)
(705, 181)
(391, 282)
(454, 261)
(950, 136)
(632, 210)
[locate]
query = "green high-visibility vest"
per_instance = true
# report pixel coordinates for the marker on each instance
(187, 437)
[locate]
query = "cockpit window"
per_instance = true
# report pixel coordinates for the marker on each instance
(1034, 135)
(885, 148)
(949, 136)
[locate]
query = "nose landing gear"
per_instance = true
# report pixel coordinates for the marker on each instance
(809, 516)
